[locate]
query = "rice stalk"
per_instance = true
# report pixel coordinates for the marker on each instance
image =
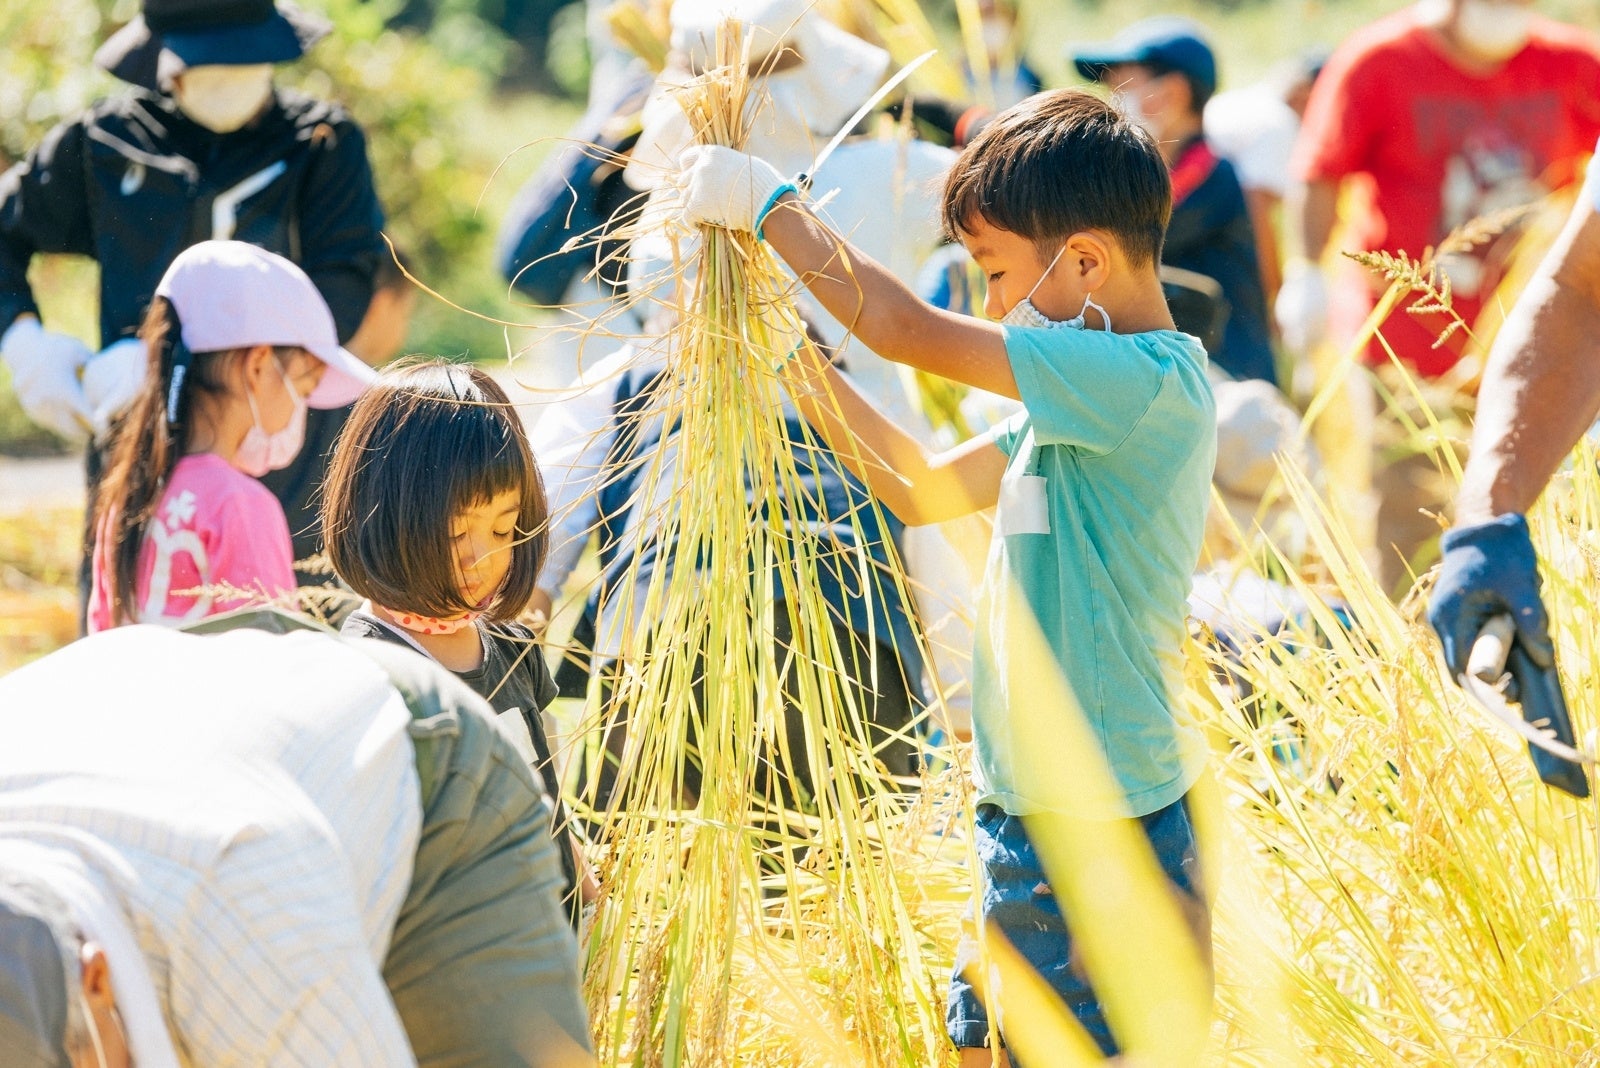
(642, 28)
(903, 29)
(1423, 898)
(711, 889)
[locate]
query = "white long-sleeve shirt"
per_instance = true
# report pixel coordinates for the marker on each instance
(248, 805)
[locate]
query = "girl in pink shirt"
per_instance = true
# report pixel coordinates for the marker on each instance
(240, 344)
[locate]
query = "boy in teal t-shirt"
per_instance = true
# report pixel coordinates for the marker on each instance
(1100, 485)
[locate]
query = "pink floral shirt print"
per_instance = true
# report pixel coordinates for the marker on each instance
(218, 541)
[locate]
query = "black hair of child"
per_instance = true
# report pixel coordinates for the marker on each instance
(1059, 163)
(424, 443)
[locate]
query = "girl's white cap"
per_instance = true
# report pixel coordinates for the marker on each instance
(232, 294)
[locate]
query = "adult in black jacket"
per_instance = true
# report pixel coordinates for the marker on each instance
(1161, 72)
(140, 177)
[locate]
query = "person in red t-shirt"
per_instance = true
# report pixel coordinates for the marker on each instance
(1438, 114)
(1442, 112)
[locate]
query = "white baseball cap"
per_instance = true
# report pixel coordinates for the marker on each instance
(232, 294)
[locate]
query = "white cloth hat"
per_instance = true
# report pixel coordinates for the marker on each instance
(810, 100)
(232, 294)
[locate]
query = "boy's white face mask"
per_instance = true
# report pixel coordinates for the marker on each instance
(223, 98)
(1024, 314)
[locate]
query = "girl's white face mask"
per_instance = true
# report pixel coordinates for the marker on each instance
(1024, 314)
(261, 452)
(1494, 29)
(223, 98)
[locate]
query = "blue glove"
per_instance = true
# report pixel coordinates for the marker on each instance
(1488, 570)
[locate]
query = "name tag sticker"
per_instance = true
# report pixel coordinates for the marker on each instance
(1023, 507)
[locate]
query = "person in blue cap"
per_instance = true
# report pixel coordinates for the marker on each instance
(203, 146)
(1161, 73)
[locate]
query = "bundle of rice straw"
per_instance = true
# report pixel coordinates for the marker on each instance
(743, 919)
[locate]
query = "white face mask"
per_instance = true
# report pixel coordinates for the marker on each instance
(261, 452)
(1492, 29)
(1024, 314)
(1131, 107)
(223, 98)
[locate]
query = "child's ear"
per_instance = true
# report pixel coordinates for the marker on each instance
(256, 364)
(1088, 257)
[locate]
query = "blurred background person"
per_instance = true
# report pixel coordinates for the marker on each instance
(1254, 128)
(204, 145)
(1004, 77)
(612, 452)
(562, 244)
(1445, 111)
(811, 77)
(1161, 73)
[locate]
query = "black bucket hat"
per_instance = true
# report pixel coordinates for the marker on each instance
(171, 35)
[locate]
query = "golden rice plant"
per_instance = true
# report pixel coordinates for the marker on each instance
(38, 583)
(735, 928)
(642, 28)
(1410, 893)
(904, 31)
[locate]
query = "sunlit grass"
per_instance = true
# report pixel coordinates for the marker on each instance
(38, 575)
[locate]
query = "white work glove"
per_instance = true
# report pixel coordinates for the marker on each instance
(722, 187)
(1302, 306)
(44, 372)
(111, 379)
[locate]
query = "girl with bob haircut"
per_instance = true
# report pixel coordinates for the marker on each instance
(434, 512)
(239, 344)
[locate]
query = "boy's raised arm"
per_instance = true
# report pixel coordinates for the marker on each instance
(724, 187)
(917, 485)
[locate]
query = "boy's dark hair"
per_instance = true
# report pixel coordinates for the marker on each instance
(425, 442)
(1057, 163)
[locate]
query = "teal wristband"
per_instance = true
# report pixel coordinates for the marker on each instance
(783, 361)
(772, 202)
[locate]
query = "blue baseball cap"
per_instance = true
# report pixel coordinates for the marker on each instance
(1168, 44)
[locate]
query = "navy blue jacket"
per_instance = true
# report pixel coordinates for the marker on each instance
(1211, 234)
(832, 506)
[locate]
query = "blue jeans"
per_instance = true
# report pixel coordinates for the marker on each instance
(1016, 896)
